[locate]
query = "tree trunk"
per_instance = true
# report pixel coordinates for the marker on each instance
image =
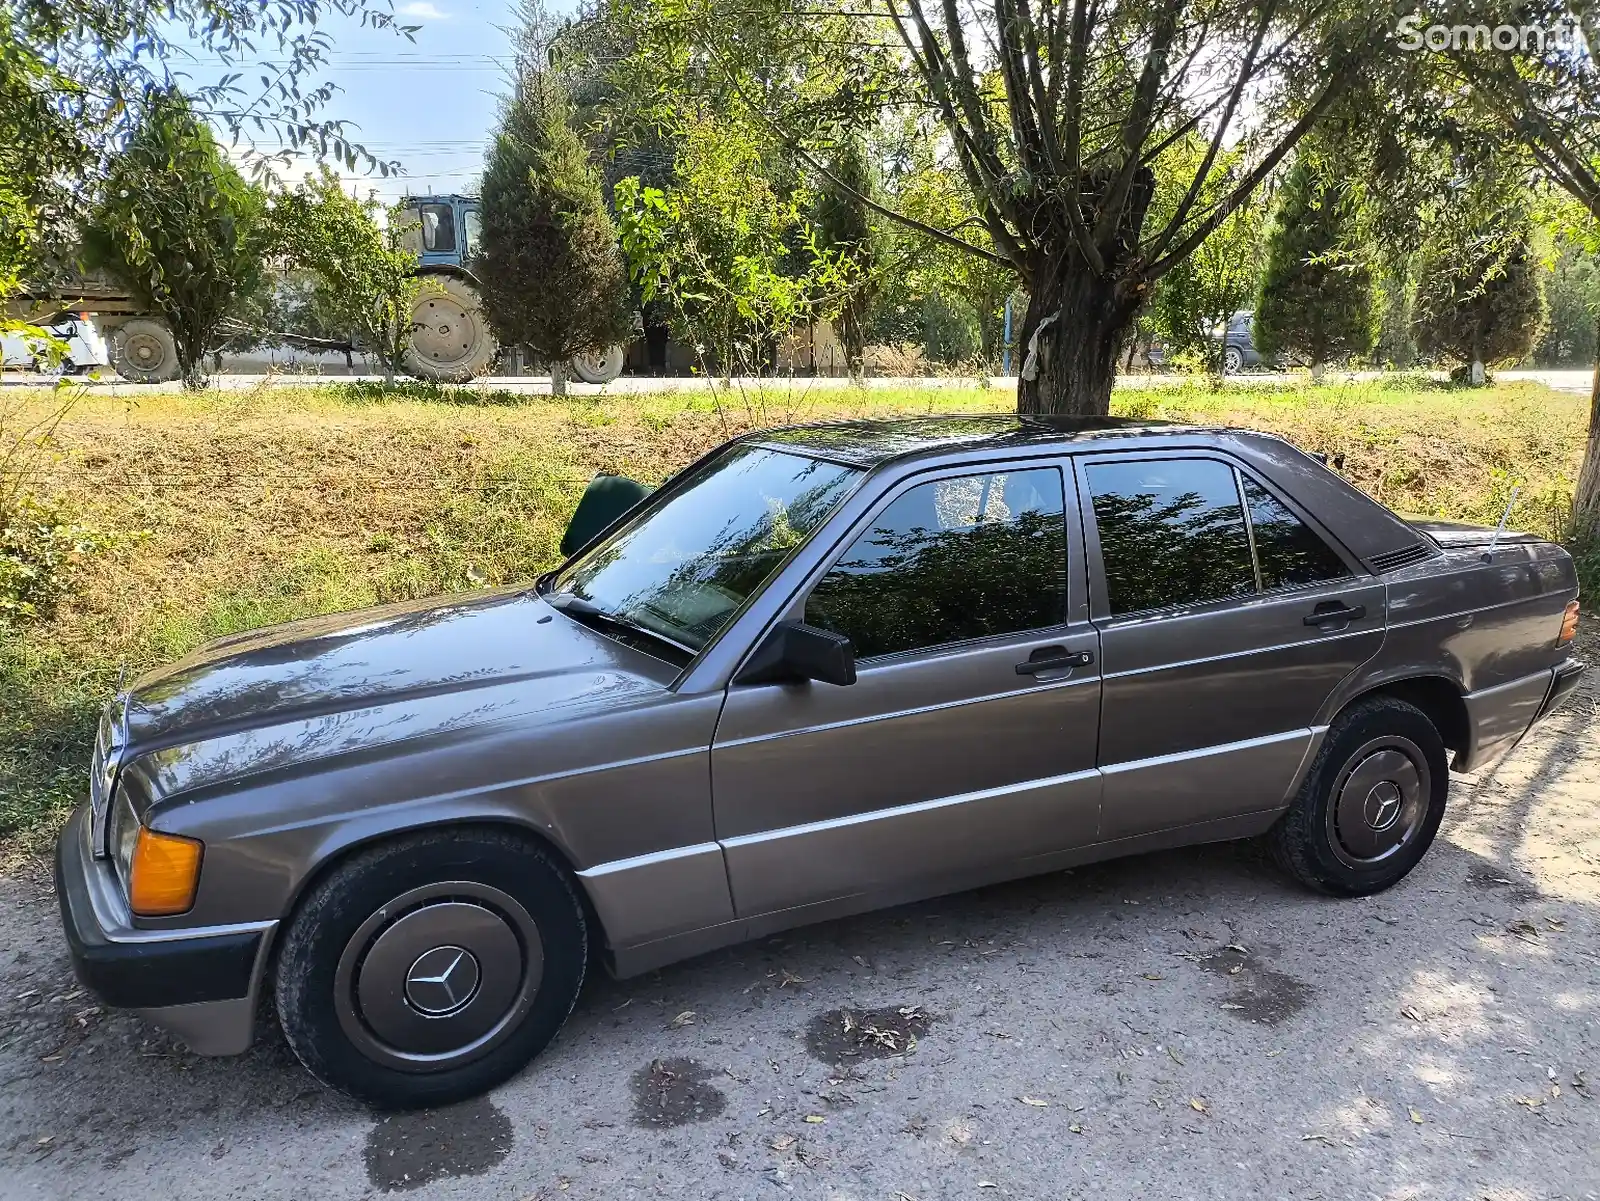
(1069, 342)
(1318, 368)
(1586, 500)
(558, 378)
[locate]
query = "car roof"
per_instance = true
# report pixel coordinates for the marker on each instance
(869, 443)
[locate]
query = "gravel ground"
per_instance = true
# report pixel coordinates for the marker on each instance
(1179, 1025)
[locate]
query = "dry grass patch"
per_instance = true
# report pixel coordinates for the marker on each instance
(239, 509)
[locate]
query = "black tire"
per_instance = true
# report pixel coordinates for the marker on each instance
(1337, 836)
(345, 995)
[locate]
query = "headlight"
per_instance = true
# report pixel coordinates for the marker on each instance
(160, 872)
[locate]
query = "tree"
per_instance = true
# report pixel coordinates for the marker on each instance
(366, 279)
(1481, 303)
(1573, 291)
(1221, 277)
(1316, 293)
(79, 77)
(550, 272)
(846, 227)
(1056, 116)
(729, 255)
(181, 229)
(1545, 99)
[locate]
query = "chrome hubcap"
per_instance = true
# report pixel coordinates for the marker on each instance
(1380, 801)
(439, 976)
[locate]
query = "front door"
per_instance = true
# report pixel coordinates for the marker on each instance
(968, 738)
(1226, 618)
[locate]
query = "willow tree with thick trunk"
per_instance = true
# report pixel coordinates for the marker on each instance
(1545, 98)
(1059, 116)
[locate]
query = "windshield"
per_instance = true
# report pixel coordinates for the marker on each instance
(685, 565)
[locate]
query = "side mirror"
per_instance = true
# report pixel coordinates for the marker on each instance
(795, 651)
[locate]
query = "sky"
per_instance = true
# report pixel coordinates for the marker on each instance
(430, 103)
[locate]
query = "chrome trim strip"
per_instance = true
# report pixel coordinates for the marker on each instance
(913, 712)
(1418, 621)
(650, 860)
(1205, 752)
(1520, 682)
(856, 819)
(1243, 654)
(144, 936)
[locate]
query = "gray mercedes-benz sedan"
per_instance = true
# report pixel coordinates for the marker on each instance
(823, 669)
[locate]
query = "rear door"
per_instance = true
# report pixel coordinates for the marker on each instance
(1227, 617)
(967, 741)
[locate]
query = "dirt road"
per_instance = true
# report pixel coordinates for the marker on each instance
(1179, 1025)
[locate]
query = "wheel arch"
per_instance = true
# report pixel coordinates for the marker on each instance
(1438, 697)
(337, 852)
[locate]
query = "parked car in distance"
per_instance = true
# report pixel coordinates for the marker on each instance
(1239, 345)
(823, 669)
(86, 349)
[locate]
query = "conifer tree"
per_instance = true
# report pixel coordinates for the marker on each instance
(1316, 299)
(550, 273)
(1480, 305)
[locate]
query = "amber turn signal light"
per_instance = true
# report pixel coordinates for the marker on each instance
(1569, 624)
(163, 874)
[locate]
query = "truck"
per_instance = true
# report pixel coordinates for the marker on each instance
(451, 341)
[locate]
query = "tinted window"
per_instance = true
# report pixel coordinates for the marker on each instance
(1288, 550)
(1171, 533)
(951, 560)
(471, 232)
(685, 563)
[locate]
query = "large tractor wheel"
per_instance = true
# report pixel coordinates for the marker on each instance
(451, 341)
(143, 351)
(599, 368)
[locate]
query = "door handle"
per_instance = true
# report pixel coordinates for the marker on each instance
(1329, 612)
(1054, 658)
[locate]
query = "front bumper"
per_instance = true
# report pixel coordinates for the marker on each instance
(199, 984)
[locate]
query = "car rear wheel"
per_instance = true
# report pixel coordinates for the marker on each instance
(1233, 360)
(1371, 804)
(431, 969)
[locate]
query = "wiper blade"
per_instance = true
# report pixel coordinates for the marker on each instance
(580, 608)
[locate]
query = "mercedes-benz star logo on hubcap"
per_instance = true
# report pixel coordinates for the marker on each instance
(442, 980)
(1383, 805)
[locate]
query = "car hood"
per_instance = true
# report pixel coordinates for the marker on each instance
(336, 684)
(1459, 533)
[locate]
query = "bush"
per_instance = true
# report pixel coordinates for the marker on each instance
(1484, 308)
(40, 549)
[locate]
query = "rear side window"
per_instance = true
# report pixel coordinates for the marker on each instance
(1290, 552)
(952, 560)
(1172, 532)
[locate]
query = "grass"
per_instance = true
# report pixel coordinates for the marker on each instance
(232, 510)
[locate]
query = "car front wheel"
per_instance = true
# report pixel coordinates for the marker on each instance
(432, 968)
(1371, 804)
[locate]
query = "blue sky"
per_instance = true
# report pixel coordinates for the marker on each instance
(430, 103)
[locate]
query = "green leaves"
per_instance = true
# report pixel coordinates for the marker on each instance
(180, 228)
(365, 275)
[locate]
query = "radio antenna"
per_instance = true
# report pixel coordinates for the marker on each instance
(1488, 551)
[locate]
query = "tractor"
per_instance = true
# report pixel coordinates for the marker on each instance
(450, 340)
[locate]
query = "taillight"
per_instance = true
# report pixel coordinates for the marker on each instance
(1569, 624)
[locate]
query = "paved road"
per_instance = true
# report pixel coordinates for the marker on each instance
(1178, 1025)
(1564, 381)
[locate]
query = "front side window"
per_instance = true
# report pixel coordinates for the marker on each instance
(681, 568)
(471, 233)
(438, 229)
(1289, 551)
(952, 560)
(1172, 532)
